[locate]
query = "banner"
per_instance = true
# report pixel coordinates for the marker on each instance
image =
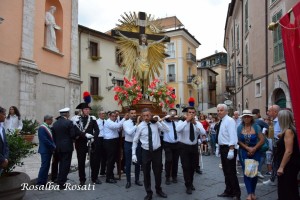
(291, 45)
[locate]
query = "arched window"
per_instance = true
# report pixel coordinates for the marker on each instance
(280, 98)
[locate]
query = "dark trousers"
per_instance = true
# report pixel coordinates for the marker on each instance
(81, 157)
(153, 158)
(102, 155)
(171, 159)
(44, 169)
(54, 167)
(121, 155)
(229, 170)
(96, 157)
(111, 148)
(188, 154)
(128, 156)
(65, 159)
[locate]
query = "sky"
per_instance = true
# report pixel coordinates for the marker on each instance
(204, 19)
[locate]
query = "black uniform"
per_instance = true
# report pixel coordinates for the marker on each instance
(82, 147)
(63, 134)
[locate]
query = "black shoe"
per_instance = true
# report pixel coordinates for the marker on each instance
(139, 183)
(225, 195)
(128, 185)
(102, 173)
(111, 181)
(198, 171)
(168, 181)
(54, 180)
(189, 191)
(62, 187)
(97, 181)
(148, 197)
(174, 180)
(161, 194)
(236, 198)
(82, 183)
(193, 187)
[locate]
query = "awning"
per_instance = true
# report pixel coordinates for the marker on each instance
(210, 110)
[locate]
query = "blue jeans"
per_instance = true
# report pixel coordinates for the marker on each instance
(213, 138)
(45, 165)
(128, 158)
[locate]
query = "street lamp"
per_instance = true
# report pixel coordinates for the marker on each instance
(113, 81)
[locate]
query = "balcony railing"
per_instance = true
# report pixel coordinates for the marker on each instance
(171, 77)
(190, 58)
(230, 82)
(212, 85)
(190, 78)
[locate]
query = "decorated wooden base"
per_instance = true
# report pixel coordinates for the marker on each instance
(145, 103)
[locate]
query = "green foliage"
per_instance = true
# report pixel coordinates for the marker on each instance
(95, 110)
(30, 127)
(18, 149)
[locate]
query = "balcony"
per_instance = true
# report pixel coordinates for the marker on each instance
(230, 82)
(212, 85)
(171, 78)
(190, 78)
(190, 58)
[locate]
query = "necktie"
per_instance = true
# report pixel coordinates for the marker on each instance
(192, 134)
(150, 137)
(133, 123)
(103, 122)
(174, 130)
(218, 129)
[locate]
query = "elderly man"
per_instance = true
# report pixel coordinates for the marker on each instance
(46, 148)
(226, 145)
(63, 133)
(3, 142)
(236, 118)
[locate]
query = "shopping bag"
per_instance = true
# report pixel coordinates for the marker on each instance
(251, 168)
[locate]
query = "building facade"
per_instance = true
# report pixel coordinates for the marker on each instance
(256, 72)
(35, 77)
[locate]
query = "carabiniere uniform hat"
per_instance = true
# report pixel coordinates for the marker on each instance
(247, 113)
(87, 99)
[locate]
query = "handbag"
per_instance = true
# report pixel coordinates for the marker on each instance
(265, 146)
(251, 168)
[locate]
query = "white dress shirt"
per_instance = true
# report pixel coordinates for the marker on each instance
(101, 127)
(142, 135)
(228, 132)
(13, 123)
(129, 130)
(169, 136)
(111, 129)
(277, 129)
(183, 131)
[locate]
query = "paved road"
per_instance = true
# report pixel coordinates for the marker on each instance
(208, 185)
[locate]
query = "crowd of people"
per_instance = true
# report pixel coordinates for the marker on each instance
(120, 141)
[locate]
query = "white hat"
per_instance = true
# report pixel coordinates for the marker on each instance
(64, 110)
(247, 113)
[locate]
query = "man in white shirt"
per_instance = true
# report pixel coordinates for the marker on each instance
(129, 129)
(100, 152)
(171, 149)
(148, 132)
(227, 143)
(188, 132)
(111, 143)
(236, 118)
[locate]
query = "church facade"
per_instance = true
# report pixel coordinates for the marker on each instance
(35, 78)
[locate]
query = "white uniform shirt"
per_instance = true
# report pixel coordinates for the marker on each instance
(183, 131)
(129, 130)
(142, 135)
(228, 132)
(101, 127)
(111, 129)
(169, 136)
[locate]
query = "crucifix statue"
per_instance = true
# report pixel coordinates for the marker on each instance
(141, 46)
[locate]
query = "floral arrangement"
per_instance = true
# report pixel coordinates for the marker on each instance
(162, 94)
(129, 94)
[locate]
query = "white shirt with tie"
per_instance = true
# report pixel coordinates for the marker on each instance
(129, 130)
(111, 129)
(183, 131)
(228, 132)
(169, 136)
(142, 134)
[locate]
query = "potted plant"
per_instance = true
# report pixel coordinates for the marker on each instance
(29, 129)
(11, 181)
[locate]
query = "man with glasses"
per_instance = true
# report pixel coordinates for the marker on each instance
(3, 142)
(188, 132)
